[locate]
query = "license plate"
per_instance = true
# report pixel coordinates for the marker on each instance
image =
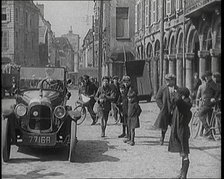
(43, 140)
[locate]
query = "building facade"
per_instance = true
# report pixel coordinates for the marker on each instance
(64, 53)
(118, 35)
(190, 39)
(20, 32)
(74, 41)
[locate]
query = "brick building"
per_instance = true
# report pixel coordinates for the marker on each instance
(20, 32)
(191, 41)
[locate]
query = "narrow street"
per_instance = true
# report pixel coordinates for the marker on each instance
(108, 157)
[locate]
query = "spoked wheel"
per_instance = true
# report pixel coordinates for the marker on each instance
(195, 125)
(82, 110)
(216, 126)
(6, 140)
(73, 141)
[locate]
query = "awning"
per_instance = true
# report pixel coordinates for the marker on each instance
(6, 60)
(121, 50)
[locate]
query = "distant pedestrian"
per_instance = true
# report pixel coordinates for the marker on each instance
(104, 96)
(123, 109)
(180, 132)
(164, 102)
(134, 111)
(196, 83)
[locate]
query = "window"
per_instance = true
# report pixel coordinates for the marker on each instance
(147, 13)
(122, 23)
(16, 15)
(153, 11)
(4, 15)
(5, 40)
(136, 18)
(177, 5)
(168, 7)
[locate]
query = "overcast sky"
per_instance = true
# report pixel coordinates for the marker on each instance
(63, 14)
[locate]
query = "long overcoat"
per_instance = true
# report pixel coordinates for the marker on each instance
(180, 132)
(164, 102)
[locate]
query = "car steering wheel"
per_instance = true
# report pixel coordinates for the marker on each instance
(55, 85)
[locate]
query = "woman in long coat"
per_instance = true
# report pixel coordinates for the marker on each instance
(180, 132)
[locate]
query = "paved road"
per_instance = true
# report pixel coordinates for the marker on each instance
(108, 157)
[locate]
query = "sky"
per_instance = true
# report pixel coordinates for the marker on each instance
(63, 14)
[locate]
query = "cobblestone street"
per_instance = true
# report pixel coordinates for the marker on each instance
(109, 157)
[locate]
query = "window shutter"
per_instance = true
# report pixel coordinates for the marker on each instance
(158, 10)
(140, 15)
(177, 5)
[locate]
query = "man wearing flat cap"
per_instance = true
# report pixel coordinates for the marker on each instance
(164, 102)
(210, 95)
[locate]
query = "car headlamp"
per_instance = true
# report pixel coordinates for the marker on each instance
(59, 112)
(20, 110)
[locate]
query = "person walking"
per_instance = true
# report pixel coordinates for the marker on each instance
(180, 132)
(115, 85)
(164, 102)
(123, 108)
(196, 83)
(134, 111)
(104, 96)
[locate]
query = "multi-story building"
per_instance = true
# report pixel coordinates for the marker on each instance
(118, 34)
(20, 32)
(46, 50)
(64, 53)
(74, 41)
(190, 39)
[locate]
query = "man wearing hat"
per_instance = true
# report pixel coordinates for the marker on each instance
(104, 96)
(164, 102)
(210, 95)
(89, 89)
(116, 87)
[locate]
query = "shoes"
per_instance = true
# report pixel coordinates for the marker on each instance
(131, 143)
(126, 140)
(93, 123)
(103, 134)
(121, 136)
(161, 141)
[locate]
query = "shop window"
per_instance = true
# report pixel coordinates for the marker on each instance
(122, 22)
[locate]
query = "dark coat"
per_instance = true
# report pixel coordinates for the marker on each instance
(123, 107)
(134, 111)
(180, 132)
(117, 91)
(108, 95)
(163, 101)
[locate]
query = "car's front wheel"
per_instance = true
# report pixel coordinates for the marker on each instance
(73, 141)
(6, 140)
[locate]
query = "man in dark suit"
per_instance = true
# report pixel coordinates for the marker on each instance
(164, 102)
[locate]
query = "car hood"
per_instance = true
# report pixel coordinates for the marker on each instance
(31, 97)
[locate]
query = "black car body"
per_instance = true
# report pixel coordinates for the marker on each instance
(40, 117)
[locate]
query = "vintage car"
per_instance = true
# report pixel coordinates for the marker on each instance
(40, 116)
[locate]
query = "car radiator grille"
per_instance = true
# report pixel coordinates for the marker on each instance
(40, 117)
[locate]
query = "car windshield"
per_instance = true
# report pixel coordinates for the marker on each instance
(42, 77)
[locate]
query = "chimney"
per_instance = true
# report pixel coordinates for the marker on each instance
(41, 8)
